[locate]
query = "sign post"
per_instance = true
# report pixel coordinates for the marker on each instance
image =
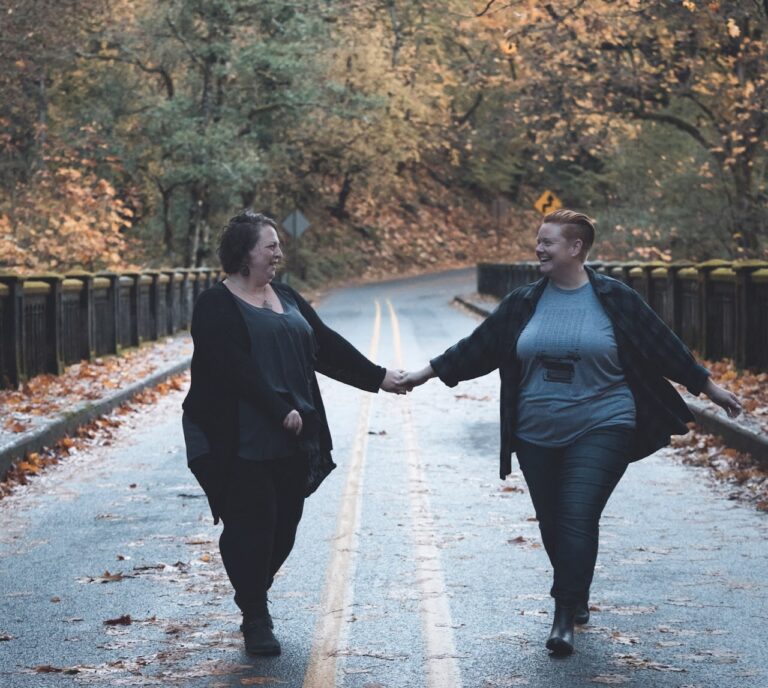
(296, 224)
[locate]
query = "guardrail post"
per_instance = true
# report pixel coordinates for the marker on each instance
(114, 309)
(705, 296)
(743, 307)
(674, 316)
(53, 315)
(88, 346)
(186, 301)
(135, 307)
(154, 304)
(13, 329)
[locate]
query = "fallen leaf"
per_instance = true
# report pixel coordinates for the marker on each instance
(260, 681)
(107, 577)
(610, 679)
(124, 620)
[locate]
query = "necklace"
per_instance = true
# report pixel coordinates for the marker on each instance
(250, 296)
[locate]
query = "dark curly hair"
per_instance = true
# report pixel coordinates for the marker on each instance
(238, 239)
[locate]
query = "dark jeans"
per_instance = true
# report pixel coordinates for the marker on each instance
(569, 488)
(261, 508)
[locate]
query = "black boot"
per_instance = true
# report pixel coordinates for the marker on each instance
(259, 639)
(560, 640)
(581, 613)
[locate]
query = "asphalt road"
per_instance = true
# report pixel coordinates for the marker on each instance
(414, 567)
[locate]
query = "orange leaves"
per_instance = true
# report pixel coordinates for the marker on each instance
(15, 425)
(66, 217)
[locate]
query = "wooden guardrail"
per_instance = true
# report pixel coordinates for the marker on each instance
(719, 308)
(49, 321)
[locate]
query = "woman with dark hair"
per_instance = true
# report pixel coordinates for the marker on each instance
(583, 361)
(255, 428)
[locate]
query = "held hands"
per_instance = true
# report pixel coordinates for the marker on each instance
(418, 377)
(393, 382)
(400, 382)
(723, 398)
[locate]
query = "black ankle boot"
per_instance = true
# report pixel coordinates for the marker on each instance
(581, 613)
(259, 639)
(560, 640)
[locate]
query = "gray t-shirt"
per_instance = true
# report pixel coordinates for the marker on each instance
(572, 380)
(285, 347)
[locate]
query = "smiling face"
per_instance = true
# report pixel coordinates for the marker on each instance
(264, 257)
(556, 253)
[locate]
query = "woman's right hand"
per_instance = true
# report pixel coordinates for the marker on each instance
(292, 422)
(416, 378)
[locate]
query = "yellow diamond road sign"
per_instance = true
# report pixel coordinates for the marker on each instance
(548, 203)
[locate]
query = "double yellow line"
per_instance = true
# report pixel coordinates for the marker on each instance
(337, 592)
(437, 629)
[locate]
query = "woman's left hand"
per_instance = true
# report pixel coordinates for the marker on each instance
(393, 382)
(723, 398)
(293, 423)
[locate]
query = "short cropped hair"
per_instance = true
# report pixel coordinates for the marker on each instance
(239, 237)
(575, 226)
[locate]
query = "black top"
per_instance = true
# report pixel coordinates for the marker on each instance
(226, 369)
(285, 347)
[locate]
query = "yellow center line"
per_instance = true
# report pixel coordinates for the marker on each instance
(436, 625)
(330, 629)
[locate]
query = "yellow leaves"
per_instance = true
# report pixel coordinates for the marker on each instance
(733, 28)
(507, 47)
(690, 6)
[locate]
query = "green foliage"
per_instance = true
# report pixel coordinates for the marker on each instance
(387, 114)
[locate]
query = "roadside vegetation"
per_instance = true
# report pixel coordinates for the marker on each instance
(413, 135)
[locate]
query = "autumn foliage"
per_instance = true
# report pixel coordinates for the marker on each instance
(132, 130)
(63, 219)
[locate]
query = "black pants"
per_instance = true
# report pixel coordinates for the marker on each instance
(569, 488)
(261, 508)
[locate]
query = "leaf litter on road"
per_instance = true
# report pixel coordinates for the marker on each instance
(636, 661)
(610, 679)
(124, 620)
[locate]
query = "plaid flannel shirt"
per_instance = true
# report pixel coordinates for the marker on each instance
(648, 351)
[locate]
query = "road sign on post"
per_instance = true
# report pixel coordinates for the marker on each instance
(296, 224)
(548, 203)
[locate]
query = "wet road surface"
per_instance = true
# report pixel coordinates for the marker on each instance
(414, 567)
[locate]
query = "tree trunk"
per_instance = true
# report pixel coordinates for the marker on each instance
(165, 196)
(193, 228)
(339, 210)
(749, 218)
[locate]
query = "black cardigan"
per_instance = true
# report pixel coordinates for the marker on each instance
(224, 369)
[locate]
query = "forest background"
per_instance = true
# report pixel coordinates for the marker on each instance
(414, 134)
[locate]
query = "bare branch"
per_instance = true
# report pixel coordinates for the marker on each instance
(486, 8)
(127, 57)
(179, 37)
(676, 122)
